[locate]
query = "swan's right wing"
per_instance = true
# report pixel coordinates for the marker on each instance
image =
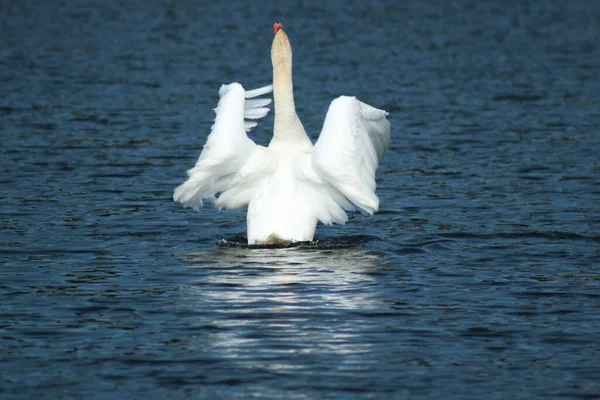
(346, 155)
(231, 165)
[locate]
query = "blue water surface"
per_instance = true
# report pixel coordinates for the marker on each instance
(478, 278)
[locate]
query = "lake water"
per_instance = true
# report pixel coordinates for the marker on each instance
(478, 278)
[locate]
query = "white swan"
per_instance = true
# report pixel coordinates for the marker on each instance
(291, 184)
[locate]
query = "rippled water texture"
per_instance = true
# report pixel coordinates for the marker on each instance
(479, 277)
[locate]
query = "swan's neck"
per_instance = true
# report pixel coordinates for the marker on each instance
(287, 124)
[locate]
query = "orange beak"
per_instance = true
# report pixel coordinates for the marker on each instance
(277, 26)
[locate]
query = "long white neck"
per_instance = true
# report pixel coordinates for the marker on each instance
(287, 124)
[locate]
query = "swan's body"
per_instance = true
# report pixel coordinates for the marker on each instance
(292, 184)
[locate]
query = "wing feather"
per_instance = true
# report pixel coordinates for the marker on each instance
(255, 113)
(249, 125)
(354, 137)
(231, 165)
(257, 103)
(258, 92)
(328, 203)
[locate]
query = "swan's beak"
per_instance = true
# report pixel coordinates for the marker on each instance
(277, 26)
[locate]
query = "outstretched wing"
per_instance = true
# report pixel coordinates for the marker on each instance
(346, 155)
(231, 164)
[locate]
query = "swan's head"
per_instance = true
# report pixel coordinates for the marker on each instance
(281, 49)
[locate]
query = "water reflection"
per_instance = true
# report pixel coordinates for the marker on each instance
(287, 278)
(272, 307)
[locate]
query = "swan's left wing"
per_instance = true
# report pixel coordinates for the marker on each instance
(346, 155)
(231, 165)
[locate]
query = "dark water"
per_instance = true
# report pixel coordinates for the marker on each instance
(478, 278)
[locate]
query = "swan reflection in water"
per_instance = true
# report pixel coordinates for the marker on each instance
(270, 302)
(266, 307)
(287, 278)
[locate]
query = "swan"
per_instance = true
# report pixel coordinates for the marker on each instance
(292, 184)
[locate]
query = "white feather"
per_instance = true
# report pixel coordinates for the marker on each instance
(255, 113)
(346, 155)
(257, 103)
(229, 157)
(248, 125)
(258, 92)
